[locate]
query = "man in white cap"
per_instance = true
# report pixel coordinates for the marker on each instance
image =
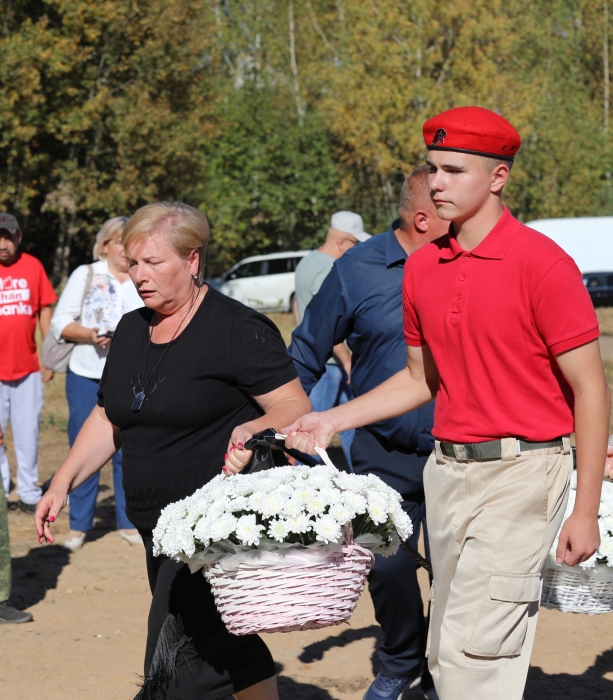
(346, 230)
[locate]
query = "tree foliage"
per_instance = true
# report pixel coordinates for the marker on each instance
(271, 114)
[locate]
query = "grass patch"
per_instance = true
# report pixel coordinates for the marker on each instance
(605, 319)
(285, 323)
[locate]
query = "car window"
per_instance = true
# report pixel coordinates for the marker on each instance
(277, 266)
(295, 262)
(595, 281)
(250, 269)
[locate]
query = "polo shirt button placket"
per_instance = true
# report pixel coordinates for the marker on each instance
(456, 308)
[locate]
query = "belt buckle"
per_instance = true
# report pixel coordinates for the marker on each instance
(463, 452)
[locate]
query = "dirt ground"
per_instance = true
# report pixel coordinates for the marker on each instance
(90, 610)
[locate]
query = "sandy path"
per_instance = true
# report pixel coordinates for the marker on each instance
(88, 636)
(90, 610)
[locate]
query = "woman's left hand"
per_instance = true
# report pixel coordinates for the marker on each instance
(237, 456)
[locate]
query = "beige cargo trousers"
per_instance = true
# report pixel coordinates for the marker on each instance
(491, 525)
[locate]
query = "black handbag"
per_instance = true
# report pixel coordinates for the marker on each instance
(269, 451)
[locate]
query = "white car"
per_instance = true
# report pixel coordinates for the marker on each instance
(263, 282)
(588, 240)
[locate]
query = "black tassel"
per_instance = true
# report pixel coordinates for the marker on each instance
(163, 665)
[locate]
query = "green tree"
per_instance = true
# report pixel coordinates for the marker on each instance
(103, 106)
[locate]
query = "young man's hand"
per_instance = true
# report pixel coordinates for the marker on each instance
(1, 438)
(579, 539)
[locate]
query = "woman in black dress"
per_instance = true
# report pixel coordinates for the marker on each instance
(181, 374)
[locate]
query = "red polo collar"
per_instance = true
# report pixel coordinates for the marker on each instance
(493, 246)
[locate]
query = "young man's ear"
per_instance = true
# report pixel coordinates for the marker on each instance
(500, 175)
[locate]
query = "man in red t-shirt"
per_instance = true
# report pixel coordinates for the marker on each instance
(26, 296)
(500, 329)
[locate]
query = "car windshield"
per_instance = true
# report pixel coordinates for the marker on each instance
(250, 269)
(595, 281)
(278, 266)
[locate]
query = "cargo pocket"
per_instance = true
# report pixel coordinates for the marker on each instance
(501, 627)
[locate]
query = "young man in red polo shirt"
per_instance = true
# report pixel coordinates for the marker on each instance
(501, 330)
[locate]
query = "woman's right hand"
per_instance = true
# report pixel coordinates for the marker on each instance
(100, 341)
(76, 333)
(47, 510)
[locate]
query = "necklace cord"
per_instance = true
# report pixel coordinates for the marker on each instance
(144, 386)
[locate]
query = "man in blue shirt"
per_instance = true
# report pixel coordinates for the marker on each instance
(360, 302)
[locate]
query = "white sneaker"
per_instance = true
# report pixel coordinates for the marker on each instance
(75, 543)
(132, 539)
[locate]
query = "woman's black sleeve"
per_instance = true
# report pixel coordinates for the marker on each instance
(259, 356)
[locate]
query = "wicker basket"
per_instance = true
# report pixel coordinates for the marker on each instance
(573, 589)
(287, 599)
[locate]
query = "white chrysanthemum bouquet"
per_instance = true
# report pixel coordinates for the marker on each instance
(293, 507)
(604, 555)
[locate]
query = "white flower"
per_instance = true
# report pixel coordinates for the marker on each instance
(222, 528)
(272, 504)
(216, 509)
(304, 493)
(377, 512)
(255, 500)
(319, 481)
(589, 563)
(278, 529)
(248, 531)
(237, 503)
(353, 482)
(323, 470)
(607, 521)
(316, 504)
(355, 502)
(300, 523)
(341, 513)
(376, 484)
(331, 495)
(606, 549)
(243, 487)
(292, 507)
(327, 529)
(202, 531)
(402, 522)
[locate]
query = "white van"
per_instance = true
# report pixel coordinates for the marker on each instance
(263, 282)
(588, 240)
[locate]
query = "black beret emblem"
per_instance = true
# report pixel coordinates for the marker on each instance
(439, 137)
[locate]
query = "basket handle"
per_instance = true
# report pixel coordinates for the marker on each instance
(320, 451)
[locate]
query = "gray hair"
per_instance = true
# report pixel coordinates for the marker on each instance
(111, 229)
(414, 193)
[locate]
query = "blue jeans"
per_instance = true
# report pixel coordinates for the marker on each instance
(82, 396)
(330, 391)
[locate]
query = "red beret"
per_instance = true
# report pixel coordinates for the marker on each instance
(472, 130)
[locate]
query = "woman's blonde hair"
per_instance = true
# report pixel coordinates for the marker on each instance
(110, 229)
(185, 227)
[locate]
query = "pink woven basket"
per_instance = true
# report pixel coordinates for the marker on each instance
(291, 598)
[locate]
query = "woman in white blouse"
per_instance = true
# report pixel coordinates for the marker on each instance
(88, 318)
